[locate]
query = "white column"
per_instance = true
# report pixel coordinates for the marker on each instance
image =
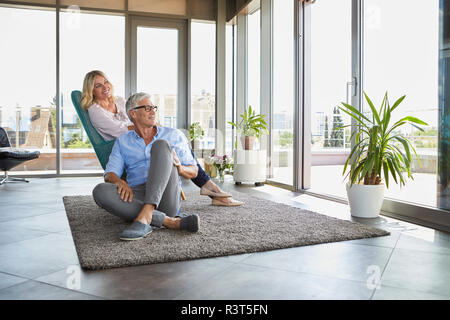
(220, 76)
(266, 74)
(241, 67)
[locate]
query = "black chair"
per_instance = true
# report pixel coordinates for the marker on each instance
(11, 157)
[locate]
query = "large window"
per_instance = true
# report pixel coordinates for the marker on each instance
(283, 92)
(28, 83)
(330, 74)
(402, 59)
(203, 65)
(157, 70)
(87, 42)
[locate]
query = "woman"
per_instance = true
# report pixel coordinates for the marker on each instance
(108, 115)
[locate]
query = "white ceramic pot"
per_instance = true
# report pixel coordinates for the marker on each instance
(365, 200)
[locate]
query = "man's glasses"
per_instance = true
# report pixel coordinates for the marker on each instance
(147, 108)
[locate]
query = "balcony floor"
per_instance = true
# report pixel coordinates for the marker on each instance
(37, 257)
(329, 180)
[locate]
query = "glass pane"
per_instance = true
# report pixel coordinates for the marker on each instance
(102, 51)
(407, 66)
(203, 66)
(28, 84)
(157, 70)
(253, 61)
(283, 92)
(330, 71)
(443, 181)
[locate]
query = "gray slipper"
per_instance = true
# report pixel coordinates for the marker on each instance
(190, 223)
(137, 230)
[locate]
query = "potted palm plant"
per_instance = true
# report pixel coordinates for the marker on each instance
(380, 151)
(196, 133)
(250, 127)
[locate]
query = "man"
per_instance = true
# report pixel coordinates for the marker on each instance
(153, 158)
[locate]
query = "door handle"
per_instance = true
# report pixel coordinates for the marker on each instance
(353, 85)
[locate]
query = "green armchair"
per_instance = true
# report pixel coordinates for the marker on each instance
(101, 146)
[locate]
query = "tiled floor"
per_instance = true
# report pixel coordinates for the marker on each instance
(38, 259)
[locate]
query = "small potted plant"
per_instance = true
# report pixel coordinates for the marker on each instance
(250, 127)
(196, 133)
(221, 163)
(380, 150)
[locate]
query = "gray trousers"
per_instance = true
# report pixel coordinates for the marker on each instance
(161, 189)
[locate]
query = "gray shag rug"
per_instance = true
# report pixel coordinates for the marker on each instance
(258, 225)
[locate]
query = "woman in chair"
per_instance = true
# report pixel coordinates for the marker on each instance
(107, 114)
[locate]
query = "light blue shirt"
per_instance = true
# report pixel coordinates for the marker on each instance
(130, 154)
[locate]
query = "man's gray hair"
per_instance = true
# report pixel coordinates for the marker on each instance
(133, 100)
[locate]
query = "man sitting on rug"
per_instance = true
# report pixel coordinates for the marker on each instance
(153, 158)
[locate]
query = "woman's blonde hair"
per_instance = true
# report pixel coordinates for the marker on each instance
(87, 97)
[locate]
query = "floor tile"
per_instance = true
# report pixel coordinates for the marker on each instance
(157, 281)
(390, 293)
(7, 280)
(389, 241)
(19, 211)
(10, 232)
(424, 242)
(38, 256)
(339, 260)
(50, 222)
(32, 290)
(251, 282)
(417, 270)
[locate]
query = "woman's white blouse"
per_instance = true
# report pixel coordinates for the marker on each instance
(110, 125)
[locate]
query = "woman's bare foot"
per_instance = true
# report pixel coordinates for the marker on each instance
(210, 185)
(213, 190)
(227, 202)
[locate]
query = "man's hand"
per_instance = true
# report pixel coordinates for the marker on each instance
(176, 161)
(187, 172)
(124, 190)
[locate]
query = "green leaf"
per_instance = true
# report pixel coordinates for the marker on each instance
(392, 169)
(386, 173)
(396, 103)
(354, 112)
(413, 119)
(405, 146)
(374, 111)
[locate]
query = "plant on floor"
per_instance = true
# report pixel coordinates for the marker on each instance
(380, 149)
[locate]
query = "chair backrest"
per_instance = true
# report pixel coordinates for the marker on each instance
(4, 139)
(101, 146)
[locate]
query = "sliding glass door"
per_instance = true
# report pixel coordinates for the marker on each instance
(158, 66)
(331, 74)
(375, 46)
(402, 59)
(282, 126)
